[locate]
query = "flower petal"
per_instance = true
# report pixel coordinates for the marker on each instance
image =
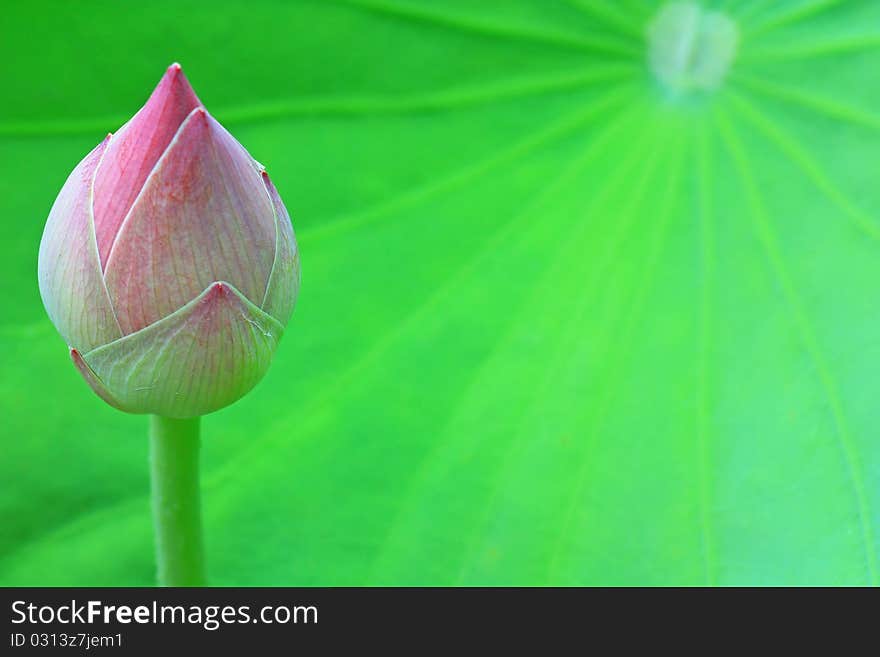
(92, 379)
(283, 287)
(198, 360)
(134, 151)
(203, 216)
(69, 271)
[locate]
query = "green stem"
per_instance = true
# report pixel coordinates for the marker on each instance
(174, 474)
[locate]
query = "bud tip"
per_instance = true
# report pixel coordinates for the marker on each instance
(174, 85)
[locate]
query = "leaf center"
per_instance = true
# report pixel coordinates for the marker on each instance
(691, 48)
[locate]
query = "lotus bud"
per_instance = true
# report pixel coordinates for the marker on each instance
(168, 263)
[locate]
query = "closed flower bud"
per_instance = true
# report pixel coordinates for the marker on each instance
(168, 262)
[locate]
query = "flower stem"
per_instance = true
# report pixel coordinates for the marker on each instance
(174, 474)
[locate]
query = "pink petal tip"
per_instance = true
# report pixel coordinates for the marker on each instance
(134, 151)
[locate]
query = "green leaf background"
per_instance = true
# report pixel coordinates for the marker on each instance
(556, 327)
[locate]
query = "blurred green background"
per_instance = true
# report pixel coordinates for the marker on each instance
(557, 325)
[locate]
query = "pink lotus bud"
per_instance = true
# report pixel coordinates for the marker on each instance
(168, 262)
